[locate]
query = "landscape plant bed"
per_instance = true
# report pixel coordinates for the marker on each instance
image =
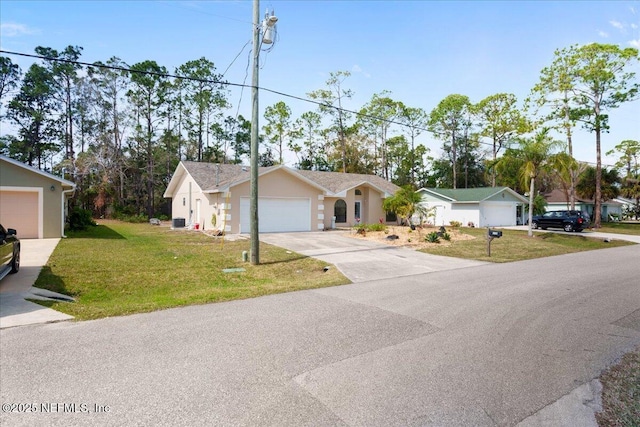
(621, 393)
(120, 268)
(471, 243)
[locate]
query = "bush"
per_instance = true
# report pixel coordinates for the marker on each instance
(455, 224)
(136, 219)
(370, 227)
(80, 219)
(432, 237)
(446, 236)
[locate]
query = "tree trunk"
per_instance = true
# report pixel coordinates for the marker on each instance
(598, 196)
(531, 191)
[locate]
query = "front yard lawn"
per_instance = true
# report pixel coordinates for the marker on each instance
(120, 268)
(515, 245)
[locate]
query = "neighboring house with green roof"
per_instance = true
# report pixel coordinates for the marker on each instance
(482, 207)
(216, 196)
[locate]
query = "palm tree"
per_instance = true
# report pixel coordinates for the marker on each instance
(405, 203)
(537, 156)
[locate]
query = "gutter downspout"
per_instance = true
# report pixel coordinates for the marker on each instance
(63, 205)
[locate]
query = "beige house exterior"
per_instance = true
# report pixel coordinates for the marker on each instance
(32, 201)
(216, 196)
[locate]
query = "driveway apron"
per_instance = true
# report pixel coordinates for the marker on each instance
(361, 260)
(14, 288)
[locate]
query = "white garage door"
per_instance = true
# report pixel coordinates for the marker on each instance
(496, 214)
(19, 210)
(277, 214)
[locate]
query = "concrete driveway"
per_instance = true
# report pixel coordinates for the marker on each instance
(361, 260)
(14, 288)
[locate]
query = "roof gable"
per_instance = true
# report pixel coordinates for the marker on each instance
(62, 181)
(470, 195)
(214, 177)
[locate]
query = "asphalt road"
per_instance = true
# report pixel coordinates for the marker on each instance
(478, 346)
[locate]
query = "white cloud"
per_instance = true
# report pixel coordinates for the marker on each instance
(617, 24)
(12, 29)
(635, 43)
(603, 34)
(357, 69)
(632, 10)
(634, 26)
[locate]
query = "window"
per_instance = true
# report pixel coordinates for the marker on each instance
(340, 211)
(184, 201)
(358, 192)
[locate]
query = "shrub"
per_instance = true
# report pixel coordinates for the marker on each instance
(446, 236)
(80, 219)
(370, 227)
(432, 237)
(455, 224)
(136, 219)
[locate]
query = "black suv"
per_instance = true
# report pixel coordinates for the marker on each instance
(567, 220)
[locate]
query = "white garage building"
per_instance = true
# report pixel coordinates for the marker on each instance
(482, 207)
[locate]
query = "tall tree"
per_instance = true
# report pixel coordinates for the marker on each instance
(241, 143)
(332, 100)
(378, 115)
(147, 94)
(108, 152)
(554, 90)
(499, 120)
(415, 120)
(204, 97)
(449, 121)
(308, 125)
(10, 75)
(64, 69)
(601, 82)
(609, 184)
(32, 110)
(279, 128)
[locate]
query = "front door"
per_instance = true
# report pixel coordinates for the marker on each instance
(357, 214)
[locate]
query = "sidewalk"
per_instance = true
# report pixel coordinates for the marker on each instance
(14, 288)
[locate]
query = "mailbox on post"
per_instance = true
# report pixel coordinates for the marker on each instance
(495, 233)
(492, 234)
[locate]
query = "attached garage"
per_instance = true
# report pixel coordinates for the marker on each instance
(20, 209)
(277, 214)
(32, 201)
(497, 214)
(478, 207)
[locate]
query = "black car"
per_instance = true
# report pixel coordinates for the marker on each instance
(9, 251)
(567, 220)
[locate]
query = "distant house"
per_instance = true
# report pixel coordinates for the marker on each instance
(32, 201)
(559, 200)
(217, 196)
(482, 207)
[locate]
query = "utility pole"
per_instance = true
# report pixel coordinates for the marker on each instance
(253, 206)
(267, 27)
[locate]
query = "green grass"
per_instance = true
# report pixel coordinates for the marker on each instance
(515, 245)
(620, 228)
(621, 393)
(121, 268)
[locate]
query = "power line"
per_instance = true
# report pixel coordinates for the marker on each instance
(223, 83)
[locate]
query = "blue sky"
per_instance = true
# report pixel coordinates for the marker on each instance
(420, 51)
